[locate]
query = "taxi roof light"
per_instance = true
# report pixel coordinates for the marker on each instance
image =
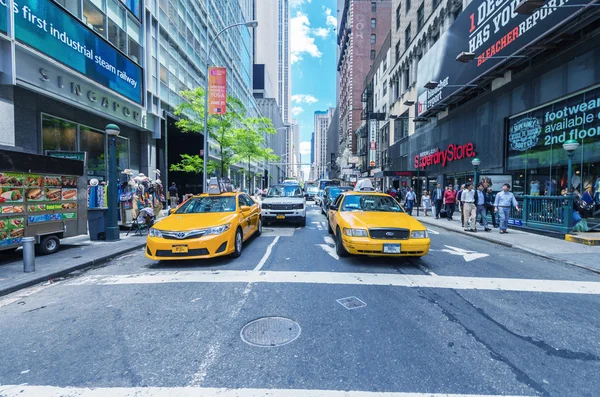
(217, 186)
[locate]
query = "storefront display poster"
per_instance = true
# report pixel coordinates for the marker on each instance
(11, 179)
(11, 195)
(50, 181)
(13, 209)
(69, 215)
(495, 181)
(36, 208)
(34, 180)
(69, 181)
(43, 218)
(69, 194)
(53, 207)
(69, 206)
(34, 194)
(53, 194)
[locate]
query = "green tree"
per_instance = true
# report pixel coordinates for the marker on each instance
(220, 127)
(192, 163)
(250, 144)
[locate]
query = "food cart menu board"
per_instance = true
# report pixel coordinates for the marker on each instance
(35, 198)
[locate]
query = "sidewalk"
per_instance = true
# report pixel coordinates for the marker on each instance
(547, 247)
(75, 253)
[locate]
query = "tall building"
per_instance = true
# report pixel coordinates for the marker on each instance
(284, 75)
(333, 144)
(363, 27)
(54, 97)
(296, 148)
(321, 158)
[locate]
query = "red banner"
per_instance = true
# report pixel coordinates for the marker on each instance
(217, 90)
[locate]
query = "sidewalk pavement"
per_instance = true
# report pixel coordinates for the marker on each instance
(546, 247)
(75, 253)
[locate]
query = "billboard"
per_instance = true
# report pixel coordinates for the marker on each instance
(3, 16)
(217, 90)
(45, 27)
(373, 124)
(487, 29)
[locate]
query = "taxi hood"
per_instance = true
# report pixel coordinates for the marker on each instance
(186, 222)
(366, 220)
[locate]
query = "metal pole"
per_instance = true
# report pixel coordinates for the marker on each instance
(112, 229)
(569, 170)
(28, 254)
(205, 154)
(475, 182)
(419, 188)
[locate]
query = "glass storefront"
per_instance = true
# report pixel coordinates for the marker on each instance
(537, 160)
(61, 134)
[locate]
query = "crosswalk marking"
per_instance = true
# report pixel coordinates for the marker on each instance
(50, 391)
(334, 278)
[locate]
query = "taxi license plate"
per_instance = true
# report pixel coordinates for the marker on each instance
(391, 248)
(179, 249)
(280, 216)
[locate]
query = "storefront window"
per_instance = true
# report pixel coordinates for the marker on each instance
(122, 153)
(93, 17)
(92, 142)
(58, 134)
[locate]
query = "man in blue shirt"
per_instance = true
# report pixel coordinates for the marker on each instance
(503, 203)
(410, 200)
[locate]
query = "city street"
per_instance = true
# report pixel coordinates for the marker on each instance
(470, 318)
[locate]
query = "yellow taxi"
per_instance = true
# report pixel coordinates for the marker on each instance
(374, 224)
(206, 226)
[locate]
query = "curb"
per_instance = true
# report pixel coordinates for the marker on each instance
(517, 247)
(63, 272)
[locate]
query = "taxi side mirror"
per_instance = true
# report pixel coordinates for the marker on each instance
(333, 207)
(172, 211)
(245, 208)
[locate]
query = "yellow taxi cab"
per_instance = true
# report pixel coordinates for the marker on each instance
(374, 224)
(206, 226)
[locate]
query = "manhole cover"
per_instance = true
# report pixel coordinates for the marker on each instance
(351, 302)
(270, 332)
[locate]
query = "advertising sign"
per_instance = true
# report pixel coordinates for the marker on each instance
(534, 139)
(3, 16)
(45, 27)
(373, 142)
(487, 29)
(495, 181)
(451, 153)
(217, 90)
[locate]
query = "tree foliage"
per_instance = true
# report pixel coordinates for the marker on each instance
(192, 163)
(250, 144)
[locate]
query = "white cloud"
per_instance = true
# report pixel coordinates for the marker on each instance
(298, 3)
(330, 19)
(296, 110)
(321, 32)
(301, 40)
(303, 98)
(305, 147)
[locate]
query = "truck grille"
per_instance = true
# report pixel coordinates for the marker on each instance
(390, 234)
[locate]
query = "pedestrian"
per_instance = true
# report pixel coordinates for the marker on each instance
(450, 197)
(173, 194)
(489, 206)
(393, 192)
(469, 210)
(437, 199)
(409, 200)
(503, 203)
(460, 206)
(426, 202)
(480, 202)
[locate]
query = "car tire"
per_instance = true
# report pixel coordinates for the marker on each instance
(238, 242)
(339, 247)
(48, 245)
(329, 229)
(259, 228)
(303, 222)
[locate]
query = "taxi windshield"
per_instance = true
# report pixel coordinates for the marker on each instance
(370, 203)
(285, 191)
(203, 205)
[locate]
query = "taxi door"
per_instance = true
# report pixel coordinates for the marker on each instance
(333, 215)
(255, 213)
(246, 215)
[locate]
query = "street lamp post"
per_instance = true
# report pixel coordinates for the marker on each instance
(250, 24)
(475, 163)
(112, 228)
(570, 146)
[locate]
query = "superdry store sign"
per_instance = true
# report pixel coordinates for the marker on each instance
(487, 29)
(443, 157)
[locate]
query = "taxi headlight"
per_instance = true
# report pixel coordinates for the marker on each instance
(155, 232)
(217, 229)
(355, 232)
(420, 234)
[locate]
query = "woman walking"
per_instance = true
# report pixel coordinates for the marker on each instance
(426, 202)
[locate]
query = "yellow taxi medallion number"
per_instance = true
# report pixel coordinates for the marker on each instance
(180, 249)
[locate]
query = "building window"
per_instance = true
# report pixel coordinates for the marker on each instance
(421, 17)
(373, 23)
(373, 39)
(397, 51)
(58, 134)
(384, 91)
(435, 36)
(373, 6)
(398, 12)
(407, 6)
(373, 55)
(401, 127)
(73, 6)
(407, 37)
(406, 78)
(93, 18)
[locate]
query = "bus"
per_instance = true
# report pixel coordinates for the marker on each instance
(323, 183)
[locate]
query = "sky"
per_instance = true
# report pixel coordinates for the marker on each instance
(313, 46)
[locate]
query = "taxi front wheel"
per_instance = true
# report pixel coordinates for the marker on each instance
(339, 247)
(237, 244)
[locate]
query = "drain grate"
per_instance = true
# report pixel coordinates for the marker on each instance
(351, 303)
(270, 332)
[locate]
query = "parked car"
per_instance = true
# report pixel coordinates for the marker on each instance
(319, 197)
(330, 194)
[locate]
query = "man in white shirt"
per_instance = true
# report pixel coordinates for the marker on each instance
(469, 208)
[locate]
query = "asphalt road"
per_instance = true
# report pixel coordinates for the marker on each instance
(471, 318)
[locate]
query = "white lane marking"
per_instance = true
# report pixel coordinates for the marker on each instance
(467, 255)
(394, 280)
(52, 391)
(266, 255)
(426, 270)
(319, 225)
(432, 231)
(329, 247)
(329, 240)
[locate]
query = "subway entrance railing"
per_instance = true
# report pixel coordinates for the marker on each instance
(550, 213)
